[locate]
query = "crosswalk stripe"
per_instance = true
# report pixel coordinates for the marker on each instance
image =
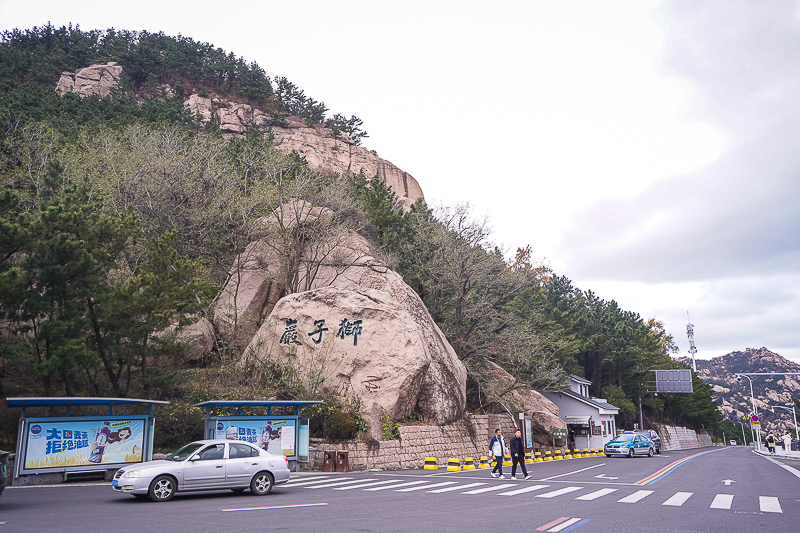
(313, 478)
(523, 490)
(722, 501)
(489, 489)
(559, 492)
(373, 484)
(299, 483)
(678, 499)
(596, 494)
(338, 483)
(769, 504)
(563, 525)
(396, 486)
(458, 487)
(428, 486)
(636, 496)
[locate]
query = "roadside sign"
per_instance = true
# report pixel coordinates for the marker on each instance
(560, 433)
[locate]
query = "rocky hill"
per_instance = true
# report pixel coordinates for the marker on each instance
(734, 396)
(322, 148)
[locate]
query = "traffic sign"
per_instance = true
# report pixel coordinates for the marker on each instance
(754, 418)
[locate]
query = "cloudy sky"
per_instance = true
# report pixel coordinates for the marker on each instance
(646, 150)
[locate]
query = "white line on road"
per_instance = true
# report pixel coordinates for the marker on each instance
(428, 486)
(522, 491)
(596, 494)
(408, 484)
(489, 489)
(769, 504)
(338, 483)
(559, 492)
(448, 489)
(564, 525)
(636, 496)
(722, 501)
(678, 499)
(293, 484)
(373, 484)
(574, 472)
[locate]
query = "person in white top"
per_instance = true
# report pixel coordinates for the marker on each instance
(787, 443)
(498, 448)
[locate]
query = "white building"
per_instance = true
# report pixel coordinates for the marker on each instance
(590, 421)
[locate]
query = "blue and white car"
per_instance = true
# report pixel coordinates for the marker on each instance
(204, 465)
(630, 444)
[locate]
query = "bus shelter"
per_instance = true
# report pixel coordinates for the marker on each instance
(71, 445)
(281, 434)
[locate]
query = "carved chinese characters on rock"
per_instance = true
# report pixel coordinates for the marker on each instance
(346, 329)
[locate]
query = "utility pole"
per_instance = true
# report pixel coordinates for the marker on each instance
(690, 334)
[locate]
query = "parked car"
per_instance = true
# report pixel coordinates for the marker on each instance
(3, 469)
(204, 465)
(629, 444)
(652, 435)
(733, 442)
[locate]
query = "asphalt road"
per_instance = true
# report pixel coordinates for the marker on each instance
(704, 490)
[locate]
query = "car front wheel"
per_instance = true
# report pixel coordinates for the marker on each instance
(262, 483)
(650, 452)
(631, 452)
(162, 489)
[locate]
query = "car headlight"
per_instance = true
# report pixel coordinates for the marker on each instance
(132, 473)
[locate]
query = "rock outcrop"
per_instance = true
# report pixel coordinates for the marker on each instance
(321, 148)
(501, 385)
(93, 80)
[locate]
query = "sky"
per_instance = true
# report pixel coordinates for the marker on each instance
(645, 150)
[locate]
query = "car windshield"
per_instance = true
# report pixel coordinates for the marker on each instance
(623, 438)
(184, 453)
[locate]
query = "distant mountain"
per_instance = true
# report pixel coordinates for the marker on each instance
(734, 396)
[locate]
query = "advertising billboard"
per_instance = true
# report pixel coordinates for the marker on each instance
(59, 443)
(274, 434)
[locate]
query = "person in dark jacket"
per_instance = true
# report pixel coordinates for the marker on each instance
(518, 455)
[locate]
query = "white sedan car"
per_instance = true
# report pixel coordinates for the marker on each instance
(204, 465)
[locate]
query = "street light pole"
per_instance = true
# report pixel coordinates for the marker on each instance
(755, 410)
(794, 416)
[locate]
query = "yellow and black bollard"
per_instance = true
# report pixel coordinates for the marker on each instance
(469, 463)
(430, 464)
(454, 465)
(484, 463)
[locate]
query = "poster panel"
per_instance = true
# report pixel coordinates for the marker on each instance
(83, 442)
(276, 435)
(528, 433)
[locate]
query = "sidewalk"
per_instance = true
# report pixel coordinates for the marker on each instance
(779, 452)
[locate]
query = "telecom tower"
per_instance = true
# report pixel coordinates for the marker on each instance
(690, 334)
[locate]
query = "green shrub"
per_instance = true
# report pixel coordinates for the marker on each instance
(340, 425)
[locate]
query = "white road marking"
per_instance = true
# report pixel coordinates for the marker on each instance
(678, 499)
(596, 494)
(448, 489)
(373, 484)
(428, 486)
(559, 492)
(769, 504)
(408, 484)
(489, 489)
(522, 491)
(573, 472)
(722, 501)
(290, 484)
(564, 525)
(338, 483)
(636, 496)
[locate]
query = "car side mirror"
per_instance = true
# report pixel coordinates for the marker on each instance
(194, 458)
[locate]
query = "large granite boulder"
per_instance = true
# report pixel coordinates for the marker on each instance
(376, 344)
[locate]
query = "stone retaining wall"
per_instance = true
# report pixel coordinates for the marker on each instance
(681, 438)
(467, 438)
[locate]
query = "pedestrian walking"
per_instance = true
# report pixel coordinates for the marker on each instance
(498, 448)
(518, 455)
(771, 441)
(787, 443)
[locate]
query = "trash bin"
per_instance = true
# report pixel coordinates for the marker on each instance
(342, 461)
(330, 463)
